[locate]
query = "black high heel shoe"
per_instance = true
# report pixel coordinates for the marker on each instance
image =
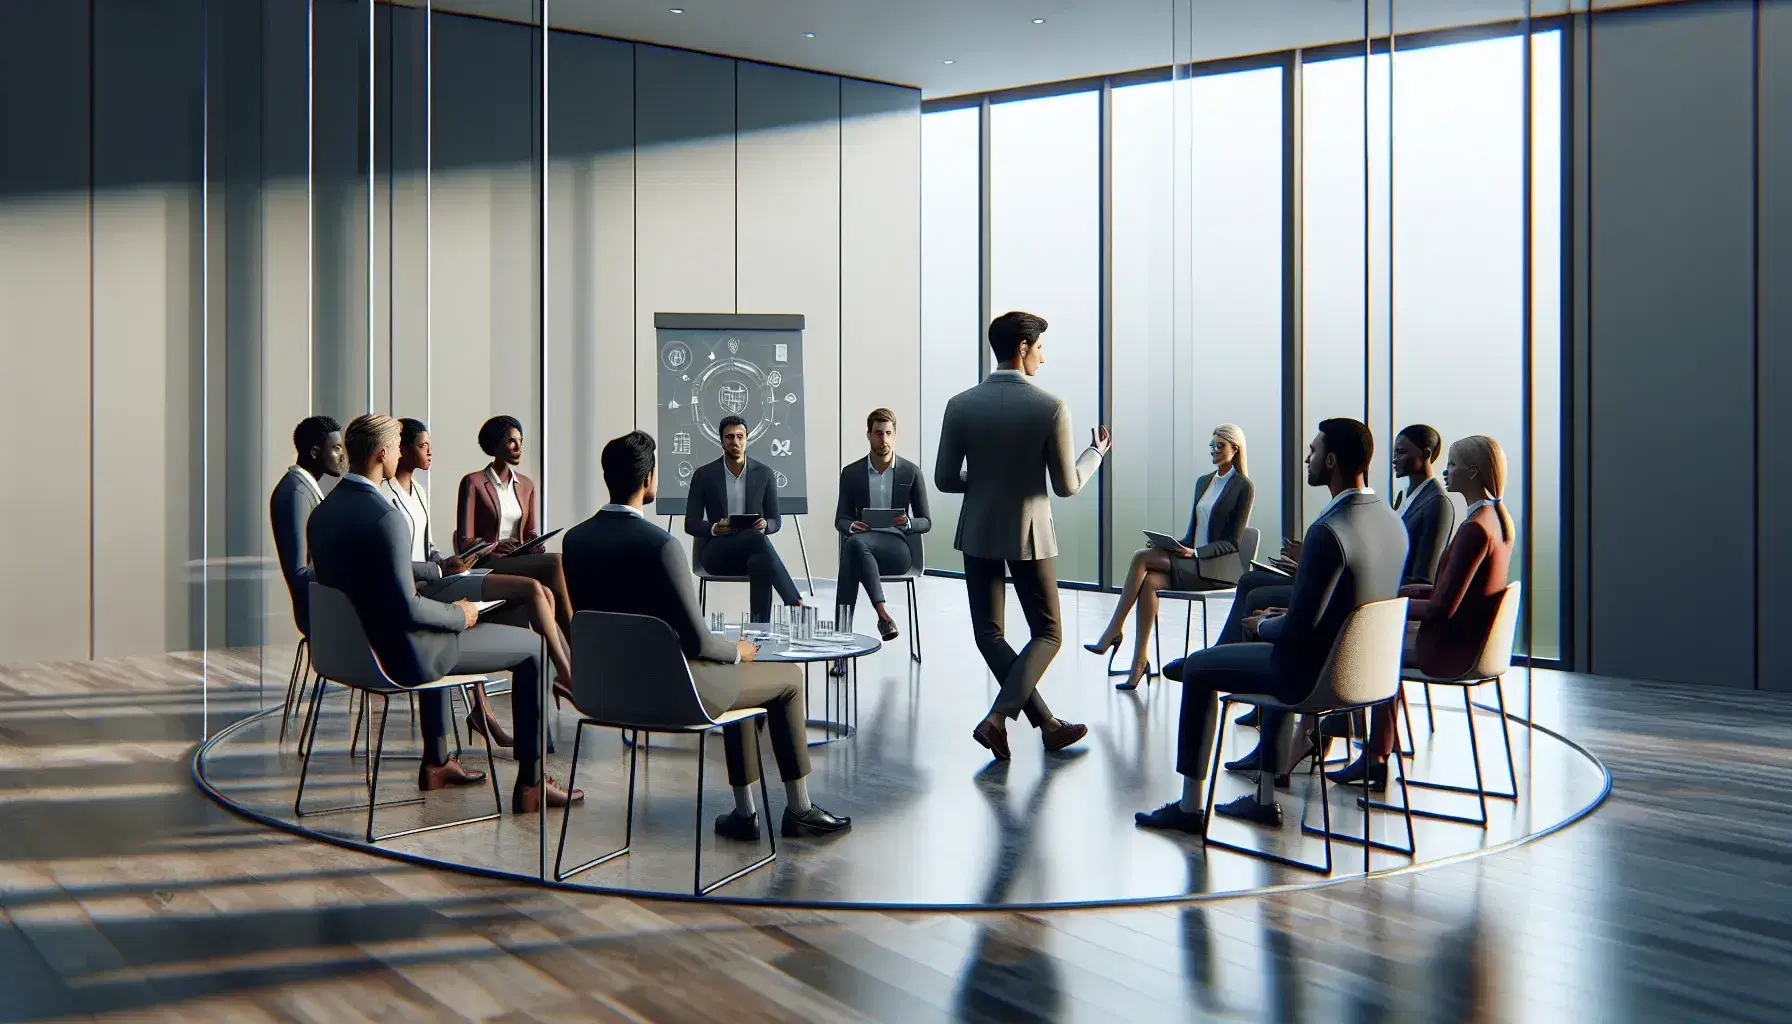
(1131, 683)
(1107, 648)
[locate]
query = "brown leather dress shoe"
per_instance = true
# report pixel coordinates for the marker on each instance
(1063, 736)
(527, 799)
(994, 736)
(431, 777)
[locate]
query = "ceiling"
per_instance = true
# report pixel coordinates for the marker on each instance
(993, 44)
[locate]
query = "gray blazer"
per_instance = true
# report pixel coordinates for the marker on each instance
(289, 509)
(361, 545)
(1430, 519)
(1001, 443)
(1351, 556)
(908, 491)
(1219, 558)
(619, 562)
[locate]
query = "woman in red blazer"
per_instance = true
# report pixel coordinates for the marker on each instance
(497, 505)
(1454, 615)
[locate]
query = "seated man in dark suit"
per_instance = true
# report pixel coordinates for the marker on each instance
(361, 546)
(735, 485)
(618, 561)
(881, 479)
(1351, 556)
(299, 492)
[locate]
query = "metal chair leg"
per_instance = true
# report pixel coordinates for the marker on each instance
(1430, 716)
(572, 780)
(292, 687)
(307, 743)
(914, 621)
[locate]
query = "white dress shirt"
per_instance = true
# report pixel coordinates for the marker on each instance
(1204, 507)
(883, 485)
(736, 486)
(411, 504)
(510, 511)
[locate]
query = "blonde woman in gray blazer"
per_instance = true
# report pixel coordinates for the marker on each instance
(1209, 558)
(1006, 446)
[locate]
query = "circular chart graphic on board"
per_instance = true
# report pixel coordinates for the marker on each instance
(676, 356)
(733, 387)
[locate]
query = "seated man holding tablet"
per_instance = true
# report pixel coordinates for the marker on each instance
(732, 511)
(883, 500)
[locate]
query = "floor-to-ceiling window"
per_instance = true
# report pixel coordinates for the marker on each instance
(1045, 258)
(1411, 287)
(951, 276)
(1197, 299)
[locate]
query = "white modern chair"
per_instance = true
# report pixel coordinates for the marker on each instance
(1362, 671)
(629, 673)
(341, 654)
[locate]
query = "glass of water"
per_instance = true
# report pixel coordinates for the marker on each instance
(718, 622)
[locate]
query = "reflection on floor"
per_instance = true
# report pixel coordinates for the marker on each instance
(937, 822)
(123, 891)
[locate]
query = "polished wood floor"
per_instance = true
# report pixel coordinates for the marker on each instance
(126, 894)
(937, 823)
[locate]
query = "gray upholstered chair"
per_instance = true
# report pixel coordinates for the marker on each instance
(342, 655)
(1362, 671)
(629, 673)
(1489, 667)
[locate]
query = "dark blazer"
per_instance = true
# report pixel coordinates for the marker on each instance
(476, 510)
(1456, 615)
(708, 501)
(1350, 557)
(361, 545)
(1219, 558)
(621, 562)
(908, 491)
(289, 509)
(1430, 518)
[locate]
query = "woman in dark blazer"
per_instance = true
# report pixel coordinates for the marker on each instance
(1208, 558)
(497, 505)
(1448, 622)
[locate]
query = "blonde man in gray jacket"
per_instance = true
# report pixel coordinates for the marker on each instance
(1006, 446)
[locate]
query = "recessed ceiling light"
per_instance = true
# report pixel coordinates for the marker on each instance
(1038, 21)
(808, 35)
(948, 62)
(675, 10)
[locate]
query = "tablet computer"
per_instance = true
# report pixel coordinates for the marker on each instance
(1162, 541)
(479, 547)
(739, 523)
(1278, 567)
(485, 606)
(534, 546)
(880, 518)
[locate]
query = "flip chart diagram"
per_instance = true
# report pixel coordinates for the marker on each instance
(712, 366)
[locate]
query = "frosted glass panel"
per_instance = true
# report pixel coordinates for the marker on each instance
(950, 280)
(1544, 532)
(1046, 258)
(1198, 346)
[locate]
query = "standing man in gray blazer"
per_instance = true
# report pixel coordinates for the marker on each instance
(1351, 556)
(319, 443)
(361, 546)
(1001, 444)
(1425, 510)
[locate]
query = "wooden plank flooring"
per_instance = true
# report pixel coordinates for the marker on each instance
(126, 894)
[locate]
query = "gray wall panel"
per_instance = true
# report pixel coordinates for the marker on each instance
(44, 325)
(880, 266)
(486, 356)
(591, 265)
(147, 385)
(788, 249)
(1775, 557)
(1672, 340)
